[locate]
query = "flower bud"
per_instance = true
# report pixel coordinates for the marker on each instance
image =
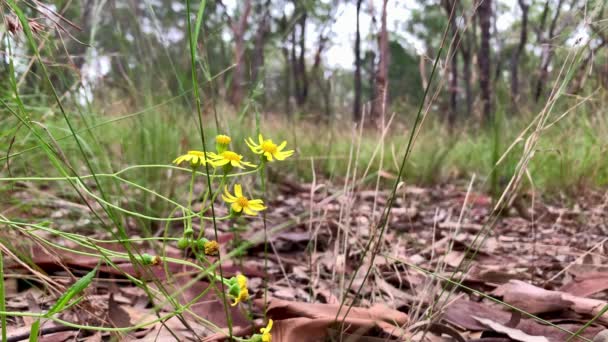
(183, 243)
(221, 143)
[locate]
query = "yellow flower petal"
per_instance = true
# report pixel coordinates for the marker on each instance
(238, 190)
(236, 207)
(248, 211)
(241, 280)
(228, 195)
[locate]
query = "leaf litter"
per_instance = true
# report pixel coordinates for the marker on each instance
(551, 266)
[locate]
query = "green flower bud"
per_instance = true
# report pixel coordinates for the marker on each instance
(183, 243)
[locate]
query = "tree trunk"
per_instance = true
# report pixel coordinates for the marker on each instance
(465, 50)
(381, 86)
(357, 104)
(547, 52)
(523, 38)
(238, 77)
(450, 8)
(484, 15)
(302, 76)
(287, 72)
(261, 35)
(298, 62)
(317, 73)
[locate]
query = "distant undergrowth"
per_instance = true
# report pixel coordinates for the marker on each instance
(571, 153)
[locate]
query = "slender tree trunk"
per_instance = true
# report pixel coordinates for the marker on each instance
(238, 77)
(381, 86)
(261, 35)
(317, 73)
(450, 9)
(466, 75)
(294, 66)
(465, 51)
(523, 38)
(303, 77)
(286, 71)
(547, 52)
(357, 104)
(298, 62)
(484, 15)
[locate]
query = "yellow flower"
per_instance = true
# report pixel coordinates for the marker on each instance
(269, 149)
(228, 158)
(196, 158)
(240, 203)
(223, 139)
(266, 336)
(241, 287)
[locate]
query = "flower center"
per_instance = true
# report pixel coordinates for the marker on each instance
(231, 156)
(269, 146)
(242, 201)
(196, 153)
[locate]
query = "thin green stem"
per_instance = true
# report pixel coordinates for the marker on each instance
(199, 111)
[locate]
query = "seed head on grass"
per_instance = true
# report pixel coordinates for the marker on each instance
(268, 148)
(240, 203)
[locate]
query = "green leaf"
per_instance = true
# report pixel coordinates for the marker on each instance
(75, 289)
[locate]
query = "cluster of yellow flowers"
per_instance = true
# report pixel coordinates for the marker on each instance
(223, 157)
(265, 148)
(226, 160)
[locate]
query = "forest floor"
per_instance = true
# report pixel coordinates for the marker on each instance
(547, 259)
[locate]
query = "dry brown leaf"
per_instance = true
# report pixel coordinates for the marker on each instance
(515, 334)
(117, 316)
(310, 322)
(534, 299)
(585, 285)
(461, 314)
